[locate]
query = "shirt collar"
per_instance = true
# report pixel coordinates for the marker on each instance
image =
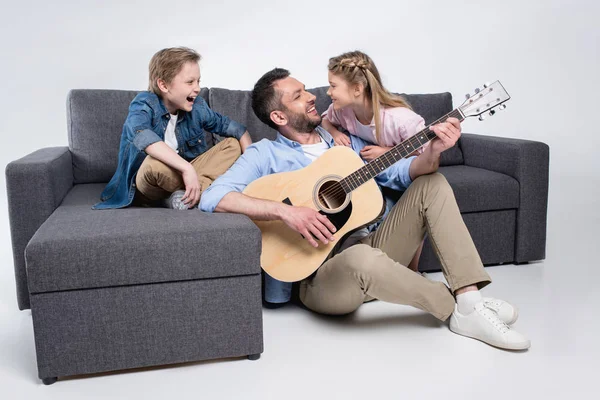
(293, 144)
(157, 105)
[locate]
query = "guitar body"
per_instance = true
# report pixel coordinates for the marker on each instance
(286, 255)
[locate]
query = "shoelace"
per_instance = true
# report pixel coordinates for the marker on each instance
(176, 202)
(492, 304)
(493, 318)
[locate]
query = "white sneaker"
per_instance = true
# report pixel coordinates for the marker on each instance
(174, 201)
(507, 312)
(485, 325)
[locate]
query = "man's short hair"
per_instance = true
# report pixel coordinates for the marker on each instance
(265, 99)
(167, 63)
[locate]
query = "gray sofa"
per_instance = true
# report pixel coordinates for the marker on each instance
(118, 289)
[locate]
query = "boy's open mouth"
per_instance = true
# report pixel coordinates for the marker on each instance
(190, 99)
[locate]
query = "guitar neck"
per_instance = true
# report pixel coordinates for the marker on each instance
(401, 150)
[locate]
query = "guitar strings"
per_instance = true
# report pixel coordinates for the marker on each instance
(337, 188)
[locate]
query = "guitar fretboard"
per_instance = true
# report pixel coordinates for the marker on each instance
(396, 153)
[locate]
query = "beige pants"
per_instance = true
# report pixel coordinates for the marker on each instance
(375, 268)
(156, 180)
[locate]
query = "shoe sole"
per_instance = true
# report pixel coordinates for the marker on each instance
(506, 346)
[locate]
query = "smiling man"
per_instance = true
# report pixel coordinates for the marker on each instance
(369, 265)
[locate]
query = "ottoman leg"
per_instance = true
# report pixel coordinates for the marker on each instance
(49, 381)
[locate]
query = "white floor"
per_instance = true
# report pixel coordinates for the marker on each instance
(382, 351)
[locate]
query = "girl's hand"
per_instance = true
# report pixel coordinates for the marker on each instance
(372, 152)
(341, 139)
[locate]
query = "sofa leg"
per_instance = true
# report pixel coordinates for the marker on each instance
(49, 381)
(254, 357)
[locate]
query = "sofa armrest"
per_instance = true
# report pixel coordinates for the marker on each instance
(35, 186)
(528, 162)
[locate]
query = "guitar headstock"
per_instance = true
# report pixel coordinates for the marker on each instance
(492, 96)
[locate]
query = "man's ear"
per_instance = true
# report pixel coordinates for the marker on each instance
(279, 117)
(162, 85)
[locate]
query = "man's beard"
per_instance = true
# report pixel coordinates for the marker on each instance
(301, 122)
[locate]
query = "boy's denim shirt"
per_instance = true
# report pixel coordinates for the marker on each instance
(146, 124)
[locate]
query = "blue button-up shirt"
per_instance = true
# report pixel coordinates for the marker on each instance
(282, 155)
(145, 124)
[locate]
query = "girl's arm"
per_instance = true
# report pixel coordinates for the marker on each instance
(339, 138)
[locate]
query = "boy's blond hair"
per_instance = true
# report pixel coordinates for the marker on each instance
(356, 67)
(167, 63)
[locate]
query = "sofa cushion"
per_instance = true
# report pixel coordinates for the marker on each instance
(94, 122)
(237, 105)
(78, 247)
(475, 189)
(479, 189)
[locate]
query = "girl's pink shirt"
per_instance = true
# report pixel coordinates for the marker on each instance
(398, 124)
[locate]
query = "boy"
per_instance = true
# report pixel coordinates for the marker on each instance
(163, 142)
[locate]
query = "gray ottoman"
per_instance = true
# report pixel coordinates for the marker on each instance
(136, 287)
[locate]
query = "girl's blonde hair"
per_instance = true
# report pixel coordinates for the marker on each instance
(355, 67)
(167, 63)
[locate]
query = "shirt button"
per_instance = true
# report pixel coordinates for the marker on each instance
(199, 141)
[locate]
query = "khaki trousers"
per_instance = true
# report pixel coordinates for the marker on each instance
(156, 180)
(375, 268)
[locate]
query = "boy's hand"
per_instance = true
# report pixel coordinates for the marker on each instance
(372, 152)
(192, 187)
(309, 222)
(341, 139)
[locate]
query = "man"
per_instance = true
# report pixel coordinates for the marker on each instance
(373, 266)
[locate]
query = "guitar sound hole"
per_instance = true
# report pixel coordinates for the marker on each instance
(331, 195)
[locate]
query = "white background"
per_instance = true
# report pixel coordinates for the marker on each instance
(544, 52)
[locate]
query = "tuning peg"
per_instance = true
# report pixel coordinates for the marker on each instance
(487, 84)
(467, 96)
(502, 106)
(476, 90)
(482, 117)
(492, 112)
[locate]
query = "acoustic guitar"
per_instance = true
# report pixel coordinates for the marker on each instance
(340, 185)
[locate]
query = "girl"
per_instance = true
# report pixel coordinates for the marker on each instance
(363, 107)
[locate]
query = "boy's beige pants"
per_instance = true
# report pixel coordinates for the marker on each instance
(156, 180)
(375, 268)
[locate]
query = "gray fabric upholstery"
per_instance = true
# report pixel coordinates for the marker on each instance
(35, 186)
(493, 233)
(78, 248)
(430, 106)
(478, 189)
(237, 105)
(527, 162)
(97, 330)
(95, 120)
